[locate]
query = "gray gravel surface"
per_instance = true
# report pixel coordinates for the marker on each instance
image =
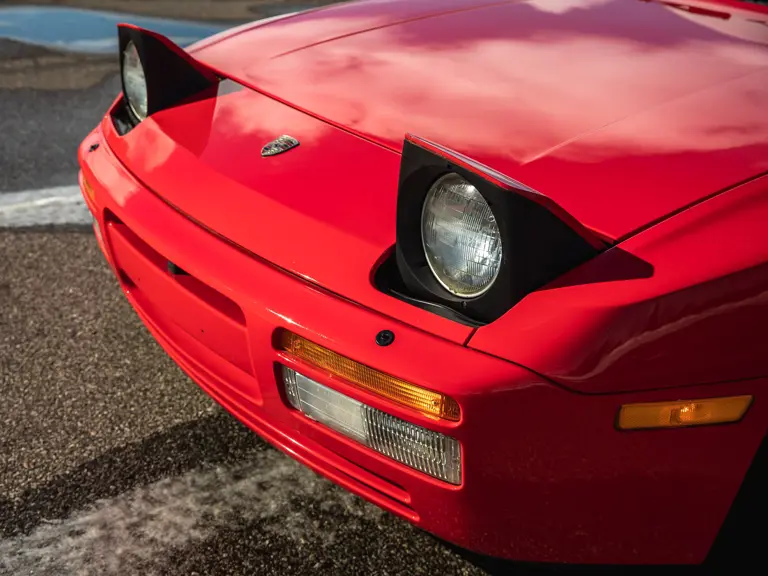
(40, 131)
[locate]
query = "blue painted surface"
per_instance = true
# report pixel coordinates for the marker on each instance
(89, 31)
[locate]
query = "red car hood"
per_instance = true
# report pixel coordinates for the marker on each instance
(621, 111)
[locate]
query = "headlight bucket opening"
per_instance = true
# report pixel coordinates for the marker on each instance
(536, 242)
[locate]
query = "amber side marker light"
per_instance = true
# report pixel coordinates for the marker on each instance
(683, 413)
(89, 190)
(426, 401)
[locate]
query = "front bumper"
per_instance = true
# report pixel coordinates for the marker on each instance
(546, 477)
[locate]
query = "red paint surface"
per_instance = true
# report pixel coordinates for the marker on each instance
(546, 475)
(685, 302)
(620, 112)
(319, 211)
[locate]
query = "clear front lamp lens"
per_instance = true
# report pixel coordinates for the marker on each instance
(425, 450)
(134, 81)
(460, 236)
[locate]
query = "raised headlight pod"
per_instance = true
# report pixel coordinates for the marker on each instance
(156, 75)
(461, 240)
(134, 82)
(472, 242)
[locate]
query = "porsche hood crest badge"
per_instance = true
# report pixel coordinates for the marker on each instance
(279, 145)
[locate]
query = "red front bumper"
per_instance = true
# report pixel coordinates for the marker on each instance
(546, 476)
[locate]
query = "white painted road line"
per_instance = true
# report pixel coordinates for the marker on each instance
(58, 205)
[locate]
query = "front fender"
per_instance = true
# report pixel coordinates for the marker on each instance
(684, 302)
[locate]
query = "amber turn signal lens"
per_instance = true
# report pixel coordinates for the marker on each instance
(683, 413)
(425, 401)
(89, 190)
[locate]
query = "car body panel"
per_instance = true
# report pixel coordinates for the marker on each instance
(317, 211)
(684, 302)
(562, 483)
(287, 32)
(646, 126)
(587, 102)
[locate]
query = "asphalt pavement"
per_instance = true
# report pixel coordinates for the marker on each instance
(111, 460)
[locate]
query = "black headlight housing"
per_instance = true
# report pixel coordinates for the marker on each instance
(172, 75)
(540, 241)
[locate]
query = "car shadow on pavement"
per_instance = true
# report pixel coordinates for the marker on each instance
(207, 497)
(498, 567)
(209, 441)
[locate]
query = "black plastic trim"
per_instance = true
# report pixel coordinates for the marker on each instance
(388, 280)
(172, 75)
(537, 245)
(122, 119)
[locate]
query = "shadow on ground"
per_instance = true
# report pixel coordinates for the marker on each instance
(204, 443)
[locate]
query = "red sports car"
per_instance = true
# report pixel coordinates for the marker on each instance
(500, 268)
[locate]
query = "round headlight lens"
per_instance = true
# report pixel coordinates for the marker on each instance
(134, 81)
(460, 236)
